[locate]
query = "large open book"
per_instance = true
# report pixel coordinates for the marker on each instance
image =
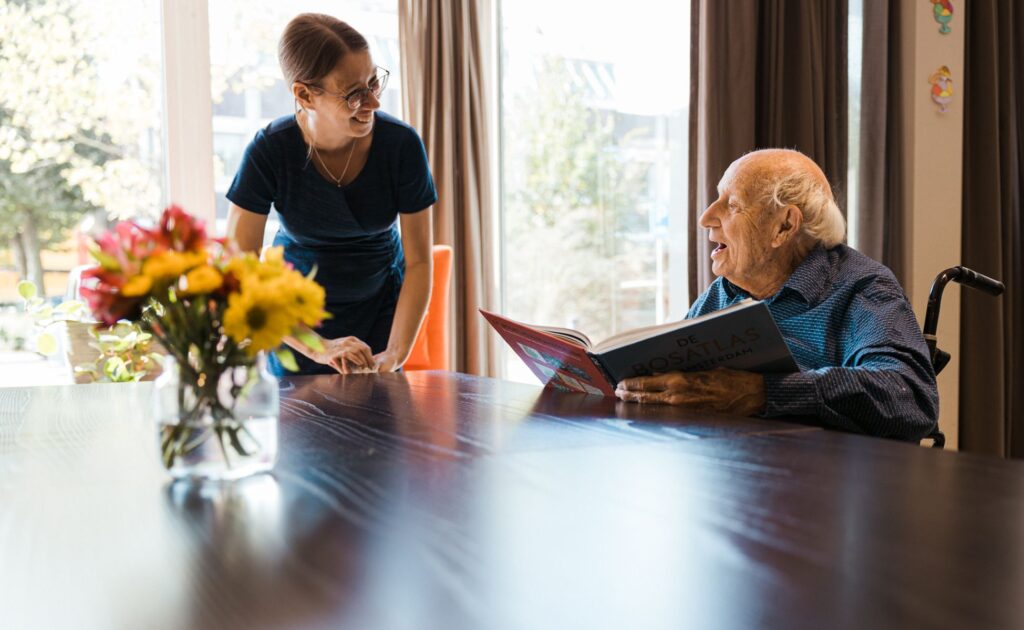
(743, 337)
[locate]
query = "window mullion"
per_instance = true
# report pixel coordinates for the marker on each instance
(187, 106)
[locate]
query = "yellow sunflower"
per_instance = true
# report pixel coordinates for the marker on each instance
(304, 298)
(256, 314)
(171, 264)
(274, 256)
(204, 279)
(137, 286)
(272, 265)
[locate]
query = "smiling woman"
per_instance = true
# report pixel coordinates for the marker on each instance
(340, 173)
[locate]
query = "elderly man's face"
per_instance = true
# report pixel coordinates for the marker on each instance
(739, 226)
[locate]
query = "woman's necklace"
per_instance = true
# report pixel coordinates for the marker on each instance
(337, 180)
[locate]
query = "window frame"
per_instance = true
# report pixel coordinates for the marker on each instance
(188, 109)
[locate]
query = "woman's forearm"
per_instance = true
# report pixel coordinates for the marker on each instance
(311, 353)
(412, 306)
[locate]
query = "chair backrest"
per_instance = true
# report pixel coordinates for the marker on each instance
(73, 291)
(430, 350)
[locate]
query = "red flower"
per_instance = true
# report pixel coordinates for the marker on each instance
(121, 252)
(180, 231)
(124, 248)
(109, 306)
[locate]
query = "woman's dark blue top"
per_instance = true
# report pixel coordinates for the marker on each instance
(350, 234)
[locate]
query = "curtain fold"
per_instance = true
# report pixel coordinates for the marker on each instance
(879, 227)
(991, 337)
(764, 73)
(446, 52)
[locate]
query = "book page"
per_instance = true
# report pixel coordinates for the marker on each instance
(629, 336)
(570, 335)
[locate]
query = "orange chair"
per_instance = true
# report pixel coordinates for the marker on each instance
(430, 350)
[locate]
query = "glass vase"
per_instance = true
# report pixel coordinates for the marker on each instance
(217, 426)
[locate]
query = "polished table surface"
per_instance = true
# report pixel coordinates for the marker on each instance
(436, 500)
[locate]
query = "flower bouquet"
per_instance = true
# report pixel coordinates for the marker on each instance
(216, 311)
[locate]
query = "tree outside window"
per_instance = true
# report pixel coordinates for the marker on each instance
(80, 128)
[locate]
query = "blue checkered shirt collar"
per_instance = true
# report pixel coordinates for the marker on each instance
(808, 280)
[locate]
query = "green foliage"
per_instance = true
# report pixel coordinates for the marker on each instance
(27, 290)
(124, 353)
(42, 198)
(69, 139)
(287, 359)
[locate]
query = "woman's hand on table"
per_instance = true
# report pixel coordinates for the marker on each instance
(388, 361)
(348, 355)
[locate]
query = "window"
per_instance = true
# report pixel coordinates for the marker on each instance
(81, 130)
(594, 125)
(855, 55)
(248, 91)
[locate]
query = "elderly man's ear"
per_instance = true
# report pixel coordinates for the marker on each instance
(787, 226)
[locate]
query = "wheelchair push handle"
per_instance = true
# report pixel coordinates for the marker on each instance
(964, 276)
(980, 281)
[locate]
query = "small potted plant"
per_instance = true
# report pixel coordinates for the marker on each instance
(95, 354)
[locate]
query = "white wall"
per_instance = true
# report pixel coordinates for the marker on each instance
(934, 149)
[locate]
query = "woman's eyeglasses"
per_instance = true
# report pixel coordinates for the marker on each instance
(355, 98)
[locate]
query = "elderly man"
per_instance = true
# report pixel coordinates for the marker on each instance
(864, 365)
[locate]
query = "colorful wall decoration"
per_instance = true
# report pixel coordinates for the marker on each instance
(943, 11)
(942, 88)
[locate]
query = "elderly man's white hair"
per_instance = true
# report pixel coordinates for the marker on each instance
(790, 178)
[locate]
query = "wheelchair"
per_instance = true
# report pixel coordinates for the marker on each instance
(940, 358)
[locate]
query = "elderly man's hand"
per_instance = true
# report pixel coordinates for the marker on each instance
(722, 390)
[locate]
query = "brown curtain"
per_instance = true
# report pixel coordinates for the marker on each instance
(764, 73)
(445, 56)
(992, 329)
(879, 226)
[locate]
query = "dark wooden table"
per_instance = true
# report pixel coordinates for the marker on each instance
(434, 500)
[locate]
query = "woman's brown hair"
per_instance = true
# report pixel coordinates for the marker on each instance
(312, 45)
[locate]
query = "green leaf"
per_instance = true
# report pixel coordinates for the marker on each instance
(27, 290)
(310, 338)
(235, 441)
(70, 307)
(287, 359)
(116, 370)
(46, 344)
(43, 317)
(105, 260)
